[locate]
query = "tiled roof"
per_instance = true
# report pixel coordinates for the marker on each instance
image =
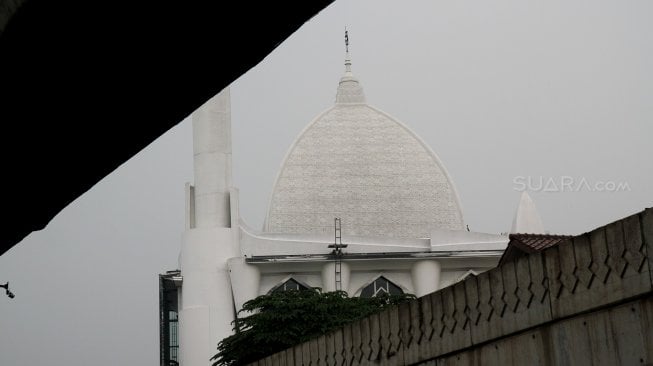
(536, 242)
(521, 244)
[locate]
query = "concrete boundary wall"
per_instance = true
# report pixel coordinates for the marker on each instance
(587, 301)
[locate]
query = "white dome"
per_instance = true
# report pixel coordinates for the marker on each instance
(357, 163)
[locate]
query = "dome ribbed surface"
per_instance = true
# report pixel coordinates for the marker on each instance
(357, 163)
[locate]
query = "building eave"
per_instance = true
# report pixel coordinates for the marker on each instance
(262, 259)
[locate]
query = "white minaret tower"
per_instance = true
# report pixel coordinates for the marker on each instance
(212, 161)
(206, 302)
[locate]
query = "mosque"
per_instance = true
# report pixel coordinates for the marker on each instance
(360, 204)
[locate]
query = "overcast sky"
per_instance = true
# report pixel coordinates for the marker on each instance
(558, 92)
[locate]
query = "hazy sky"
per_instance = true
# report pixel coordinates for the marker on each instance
(558, 91)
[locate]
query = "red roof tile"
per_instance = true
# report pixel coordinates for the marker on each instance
(536, 242)
(521, 244)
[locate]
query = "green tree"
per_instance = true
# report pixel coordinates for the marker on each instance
(285, 318)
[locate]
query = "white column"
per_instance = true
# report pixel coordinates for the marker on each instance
(329, 276)
(426, 276)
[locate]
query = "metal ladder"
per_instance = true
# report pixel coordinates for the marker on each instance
(337, 253)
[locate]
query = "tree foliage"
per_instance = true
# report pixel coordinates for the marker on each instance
(283, 319)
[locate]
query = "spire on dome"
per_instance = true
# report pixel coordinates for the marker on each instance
(347, 58)
(349, 90)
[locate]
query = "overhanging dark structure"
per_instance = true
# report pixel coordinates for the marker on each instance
(86, 85)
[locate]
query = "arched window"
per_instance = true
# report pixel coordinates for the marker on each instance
(379, 286)
(290, 284)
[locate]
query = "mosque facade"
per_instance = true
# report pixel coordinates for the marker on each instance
(361, 204)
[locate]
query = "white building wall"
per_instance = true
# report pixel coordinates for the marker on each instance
(415, 276)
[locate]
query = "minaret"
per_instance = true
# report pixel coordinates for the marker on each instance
(206, 303)
(527, 220)
(212, 161)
